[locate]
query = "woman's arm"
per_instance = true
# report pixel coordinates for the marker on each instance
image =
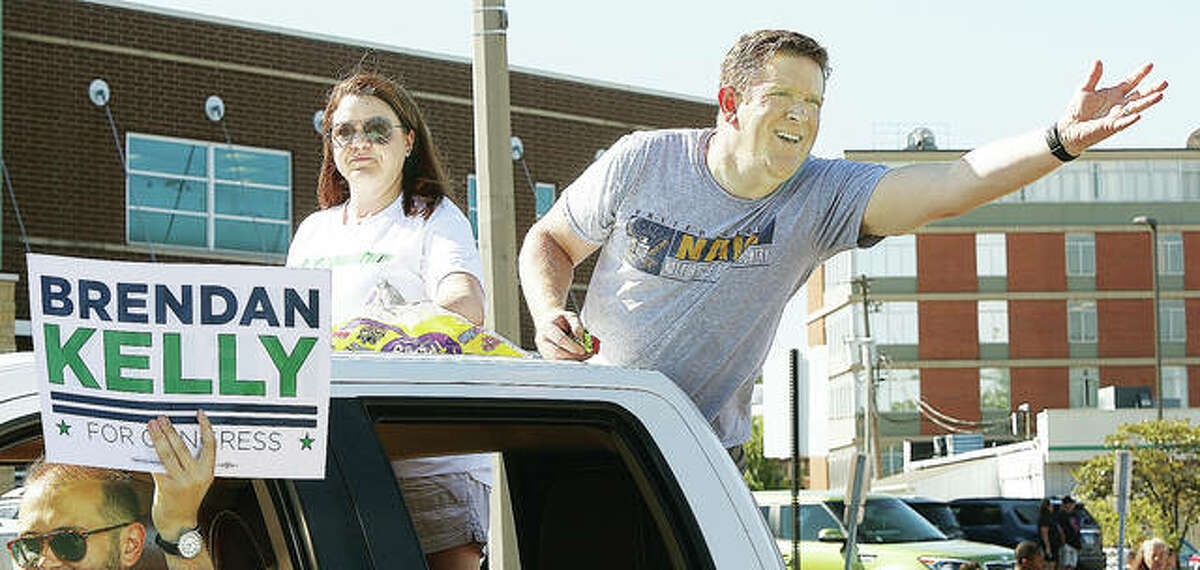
(461, 293)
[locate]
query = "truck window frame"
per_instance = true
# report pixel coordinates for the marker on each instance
(632, 443)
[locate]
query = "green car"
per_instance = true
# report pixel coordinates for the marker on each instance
(891, 536)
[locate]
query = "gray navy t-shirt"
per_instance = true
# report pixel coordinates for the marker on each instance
(691, 280)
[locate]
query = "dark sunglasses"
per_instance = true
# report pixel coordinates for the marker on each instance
(69, 544)
(376, 130)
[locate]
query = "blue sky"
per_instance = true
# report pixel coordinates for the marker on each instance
(970, 70)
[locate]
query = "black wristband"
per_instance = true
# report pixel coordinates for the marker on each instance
(1055, 143)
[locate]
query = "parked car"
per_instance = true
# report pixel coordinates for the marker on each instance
(938, 513)
(892, 535)
(1007, 521)
(605, 468)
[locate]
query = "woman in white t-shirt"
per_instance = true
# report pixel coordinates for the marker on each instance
(385, 217)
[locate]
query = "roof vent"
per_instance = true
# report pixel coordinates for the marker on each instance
(921, 138)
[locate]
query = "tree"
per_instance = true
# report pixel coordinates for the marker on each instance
(1165, 489)
(762, 472)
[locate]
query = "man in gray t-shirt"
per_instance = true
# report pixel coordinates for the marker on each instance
(705, 234)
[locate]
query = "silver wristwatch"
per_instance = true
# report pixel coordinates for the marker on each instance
(188, 546)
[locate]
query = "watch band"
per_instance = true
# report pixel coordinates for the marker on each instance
(187, 546)
(1055, 143)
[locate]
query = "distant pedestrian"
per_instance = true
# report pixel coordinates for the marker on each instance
(1068, 523)
(1049, 535)
(1029, 556)
(1154, 554)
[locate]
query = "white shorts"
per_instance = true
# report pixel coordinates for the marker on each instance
(447, 510)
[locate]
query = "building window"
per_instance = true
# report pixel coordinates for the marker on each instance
(1139, 180)
(841, 396)
(895, 256)
(839, 330)
(1190, 175)
(1081, 255)
(993, 322)
(1172, 321)
(994, 389)
(837, 278)
(1069, 183)
(1081, 322)
(207, 195)
(472, 206)
(1170, 254)
(991, 259)
(891, 458)
(1175, 386)
(543, 196)
(1159, 180)
(898, 390)
(1085, 387)
(893, 323)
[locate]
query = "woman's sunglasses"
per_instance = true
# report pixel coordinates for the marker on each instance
(376, 130)
(69, 544)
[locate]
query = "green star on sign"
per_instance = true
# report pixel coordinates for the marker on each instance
(306, 442)
(64, 428)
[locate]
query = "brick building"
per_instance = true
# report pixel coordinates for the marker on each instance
(1042, 298)
(195, 190)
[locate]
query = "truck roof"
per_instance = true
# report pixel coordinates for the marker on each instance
(366, 374)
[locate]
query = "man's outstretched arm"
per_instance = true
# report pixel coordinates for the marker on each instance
(547, 266)
(909, 197)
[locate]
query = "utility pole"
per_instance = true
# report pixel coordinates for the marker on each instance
(1152, 225)
(493, 168)
(497, 226)
(870, 377)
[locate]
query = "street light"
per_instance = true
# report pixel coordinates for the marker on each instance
(1152, 225)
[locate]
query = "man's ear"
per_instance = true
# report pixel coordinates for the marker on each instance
(133, 541)
(727, 103)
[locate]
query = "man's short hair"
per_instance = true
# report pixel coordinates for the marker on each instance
(747, 58)
(1027, 550)
(119, 502)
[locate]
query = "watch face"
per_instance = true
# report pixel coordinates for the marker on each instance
(190, 544)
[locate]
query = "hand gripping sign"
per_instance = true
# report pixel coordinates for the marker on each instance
(119, 343)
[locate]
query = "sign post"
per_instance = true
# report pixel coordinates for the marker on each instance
(117, 344)
(855, 505)
(1122, 483)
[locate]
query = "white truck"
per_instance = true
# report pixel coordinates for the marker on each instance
(605, 468)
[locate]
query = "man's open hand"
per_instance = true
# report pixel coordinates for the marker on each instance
(179, 492)
(1095, 114)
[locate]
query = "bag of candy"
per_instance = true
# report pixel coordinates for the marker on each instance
(388, 324)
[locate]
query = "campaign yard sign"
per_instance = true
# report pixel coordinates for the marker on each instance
(118, 344)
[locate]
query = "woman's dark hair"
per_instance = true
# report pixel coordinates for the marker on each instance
(424, 182)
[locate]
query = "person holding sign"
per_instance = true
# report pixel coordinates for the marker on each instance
(385, 219)
(90, 518)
